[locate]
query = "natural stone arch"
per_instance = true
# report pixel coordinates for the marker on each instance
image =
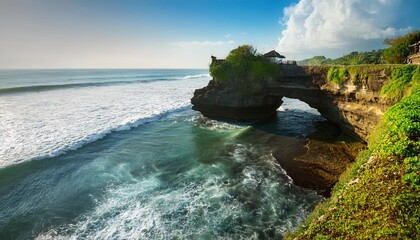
(355, 109)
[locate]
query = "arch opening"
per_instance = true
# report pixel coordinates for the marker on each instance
(296, 118)
(296, 104)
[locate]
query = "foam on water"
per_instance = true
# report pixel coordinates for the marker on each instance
(208, 201)
(43, 124)
(180, 176)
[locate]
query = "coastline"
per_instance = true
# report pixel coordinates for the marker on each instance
(376, 104)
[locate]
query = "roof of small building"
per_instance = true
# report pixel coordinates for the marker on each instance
(273, 54)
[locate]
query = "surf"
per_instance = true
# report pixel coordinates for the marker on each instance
(49, 120)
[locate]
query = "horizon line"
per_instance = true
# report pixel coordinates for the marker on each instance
(100, 68)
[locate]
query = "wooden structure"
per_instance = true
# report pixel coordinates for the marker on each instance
(273, 54)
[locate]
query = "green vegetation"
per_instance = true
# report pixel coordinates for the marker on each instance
(337, 75)
(402, 78)
(379, 197)
(363, 73)
(401, 135)
(245, 69)
(397, 52)
(315, 61)
(354, 58)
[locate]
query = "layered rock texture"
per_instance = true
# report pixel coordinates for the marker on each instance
(354, 105)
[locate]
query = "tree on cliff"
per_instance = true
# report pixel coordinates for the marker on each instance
(397, 52)
(244, 70)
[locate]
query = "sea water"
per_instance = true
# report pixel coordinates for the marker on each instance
(119, 154)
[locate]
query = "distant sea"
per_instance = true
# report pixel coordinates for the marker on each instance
(119, 154)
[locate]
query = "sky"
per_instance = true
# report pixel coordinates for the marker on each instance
(185, 33)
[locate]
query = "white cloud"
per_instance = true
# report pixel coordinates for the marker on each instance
(335, 27)
(191, 44)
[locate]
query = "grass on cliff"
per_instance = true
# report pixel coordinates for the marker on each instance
(402, 78)
(337, 75)
(379, 197)
(245, 70)
(357, 74)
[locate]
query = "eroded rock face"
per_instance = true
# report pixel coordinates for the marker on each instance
(355, 107)
(220, 102)
(360, 106)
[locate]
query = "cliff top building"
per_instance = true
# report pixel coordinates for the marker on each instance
(414, 57)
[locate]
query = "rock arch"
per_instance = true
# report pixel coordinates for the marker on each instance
(355, 109)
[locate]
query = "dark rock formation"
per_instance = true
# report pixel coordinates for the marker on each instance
(221, 102)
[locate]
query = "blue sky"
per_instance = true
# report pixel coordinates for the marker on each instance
(184, 33)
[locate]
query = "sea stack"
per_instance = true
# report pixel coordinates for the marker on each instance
(217, 101)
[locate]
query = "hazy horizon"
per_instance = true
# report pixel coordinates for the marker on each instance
(179, 34)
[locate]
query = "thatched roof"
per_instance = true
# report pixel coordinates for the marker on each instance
(273, 54)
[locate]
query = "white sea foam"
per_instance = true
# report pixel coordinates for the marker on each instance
(215, 125)
(43, 124)
(205, 202)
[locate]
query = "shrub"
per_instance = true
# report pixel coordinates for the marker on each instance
(401, 134)
(403, 122)
(337, 75)
(244, 70)
(220, 71)
(401, 78)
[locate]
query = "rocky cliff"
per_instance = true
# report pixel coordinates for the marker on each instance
(355, 104)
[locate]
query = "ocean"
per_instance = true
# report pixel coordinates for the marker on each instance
(119, 154)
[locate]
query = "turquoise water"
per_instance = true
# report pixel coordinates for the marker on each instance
(130, 160)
